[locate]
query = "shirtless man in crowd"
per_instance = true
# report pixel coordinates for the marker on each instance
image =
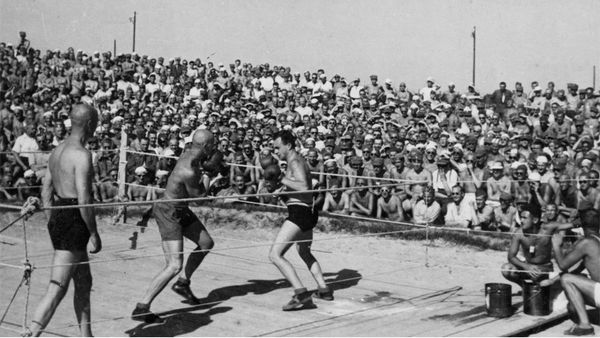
(175, 220)
(389, 206)
(298, 226)
(336, 201)
(361, 200)
(69, 182)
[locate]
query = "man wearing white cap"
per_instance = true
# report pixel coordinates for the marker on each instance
(425, 92)
(497, 184)
(323, 85)
(388, 88)
(138, 191)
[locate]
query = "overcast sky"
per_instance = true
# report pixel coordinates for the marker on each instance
(406, 40)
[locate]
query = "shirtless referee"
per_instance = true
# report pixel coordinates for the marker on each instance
(175, 221)
(68, 181)
(299, 224)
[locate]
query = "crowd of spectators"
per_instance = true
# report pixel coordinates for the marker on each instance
(433, 155)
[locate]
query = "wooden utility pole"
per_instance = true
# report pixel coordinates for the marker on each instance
(115, 48)
(474, 52)
(134, 23)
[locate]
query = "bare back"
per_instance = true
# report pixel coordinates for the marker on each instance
(63, 164)
(592, 258)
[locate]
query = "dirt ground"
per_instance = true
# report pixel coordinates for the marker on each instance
(383, 286)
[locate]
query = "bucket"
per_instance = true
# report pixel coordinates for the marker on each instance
(536, 299)
(498, 301)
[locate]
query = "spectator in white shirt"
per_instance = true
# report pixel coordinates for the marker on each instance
(460, 213)
(27, 143)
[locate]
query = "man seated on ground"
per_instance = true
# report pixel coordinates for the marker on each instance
(460, 212)
(389, 206)
(266, 187)
(533, 239)
(427, 209)
(497, 184)
(239, 187)
(336, 201)
(361, 199)
(28, 186)
(505, 213)
(579, 289)
(485, 213)
(138, 191)
(109, 188)
(7, 190)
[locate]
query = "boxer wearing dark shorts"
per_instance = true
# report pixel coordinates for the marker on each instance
(172, 218)
(303, 216)
(67, 228)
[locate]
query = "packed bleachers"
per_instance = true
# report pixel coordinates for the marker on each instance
(456, 158)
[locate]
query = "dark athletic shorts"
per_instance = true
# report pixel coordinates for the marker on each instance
(303, 216)
(67, 228)
(171, 220)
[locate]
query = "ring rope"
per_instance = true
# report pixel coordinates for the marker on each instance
(200, 199)
(344, 175)
(302, 241)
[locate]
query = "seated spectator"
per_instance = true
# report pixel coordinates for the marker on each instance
(336, 201)
(26, 145)
(427, 209)
(389, 206)
(443, 179)
(361, 199)
(134, 161)
(497, 184)
(533, 239)
(7, 190)
(239, 187)
(138, 191)
(270, 185)
(567, 193)
(460, 213)
(28, 186)
(504, 214)
(485, 213)
(242, 168)
(109, 187)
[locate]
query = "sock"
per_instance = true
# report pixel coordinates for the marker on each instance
(326, 289)
(184, 281)
(300, 291)
(143, 306)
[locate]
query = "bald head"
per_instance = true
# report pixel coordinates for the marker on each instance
(272, 172)
(202, 138)
(203, 144)
(84, 118)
